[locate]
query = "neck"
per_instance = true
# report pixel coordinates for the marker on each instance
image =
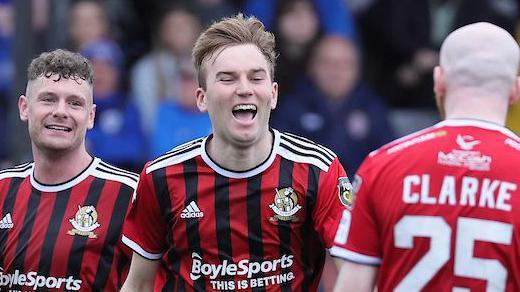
(486, 108)
(58, 168)
(238, 158)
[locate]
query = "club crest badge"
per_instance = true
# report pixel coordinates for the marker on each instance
(84, 222)
(345, 193)
(285, 205)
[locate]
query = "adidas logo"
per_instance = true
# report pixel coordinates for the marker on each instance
(192, 211)
(7, 222)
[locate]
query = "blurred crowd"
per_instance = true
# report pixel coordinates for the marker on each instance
(353, 74)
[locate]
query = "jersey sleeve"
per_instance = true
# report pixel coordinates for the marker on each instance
(145, 228)
(357, 237)
(328, 209)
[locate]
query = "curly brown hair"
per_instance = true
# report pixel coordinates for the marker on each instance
(236, 30)
(64, 63)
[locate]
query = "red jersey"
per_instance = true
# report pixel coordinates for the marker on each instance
(439, 210)
(214, 229)
(64, 237)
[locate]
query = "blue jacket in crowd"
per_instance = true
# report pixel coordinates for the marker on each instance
(175, 125)
(117, 137)
(351, 128)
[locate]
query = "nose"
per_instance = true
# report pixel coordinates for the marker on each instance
(244, 87)
(60, 109)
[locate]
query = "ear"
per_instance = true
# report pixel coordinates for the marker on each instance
(439, 85)
(274, 95)
(23, 108)
(515, 91)
(91, 117)
(439, 88)
(201, 99)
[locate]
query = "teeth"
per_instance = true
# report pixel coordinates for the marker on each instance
(59, 128)
(244, 107)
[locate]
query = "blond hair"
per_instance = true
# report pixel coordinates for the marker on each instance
(231, 31)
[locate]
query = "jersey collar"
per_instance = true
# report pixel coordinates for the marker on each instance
(479, 124)
(246, 173)
(68, 184)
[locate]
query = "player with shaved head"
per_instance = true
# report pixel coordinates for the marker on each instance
(438, 210)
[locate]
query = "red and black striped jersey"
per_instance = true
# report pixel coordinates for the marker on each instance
(215, 229)
(64, 237)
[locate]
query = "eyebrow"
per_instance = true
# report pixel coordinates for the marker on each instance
(252, 71)
(52, 93)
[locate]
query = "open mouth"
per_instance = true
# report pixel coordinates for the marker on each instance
(58, 128)
(244, 111)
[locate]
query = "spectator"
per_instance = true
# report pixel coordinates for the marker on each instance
(334, 15)
(334, 107)
(179, 121)
(209, 11)
(116, 137)
(297, 25)
(297, 29)
(155, 77)
(410, 34)
(88, 23)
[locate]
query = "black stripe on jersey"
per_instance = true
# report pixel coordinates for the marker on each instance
(79, 242)
(163, 198)
(175, 260)
(184, 146)
(327, 152)
(58, 211)
(222, 223)
(309, 252)
(119, 170)
(113, 236)
(175, 152)
(10, 197)
(284, 227)
(132, 177)
(18, 168)
(315, 156)
(25, 232)
(191, 178)
(254, 221)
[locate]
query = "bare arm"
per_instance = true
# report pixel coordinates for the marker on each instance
(142, 274)
(355, 277)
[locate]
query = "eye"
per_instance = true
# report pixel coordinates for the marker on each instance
(257, 77)
(75, 103)
(47, 99)
(226, 79)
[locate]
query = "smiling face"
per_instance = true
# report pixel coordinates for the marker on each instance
(239, 95)
(58, 113)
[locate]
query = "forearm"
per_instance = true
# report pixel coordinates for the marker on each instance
(355, 278)
(141, 276)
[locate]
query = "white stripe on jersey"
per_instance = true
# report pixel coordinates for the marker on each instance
(115, 174)
(21, 171)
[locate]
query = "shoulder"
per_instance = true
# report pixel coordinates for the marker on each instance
(303, 150)
(416, 139)
(109, 172)
(20, 171)
(177, 155)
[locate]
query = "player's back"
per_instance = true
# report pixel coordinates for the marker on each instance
(445, 207)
